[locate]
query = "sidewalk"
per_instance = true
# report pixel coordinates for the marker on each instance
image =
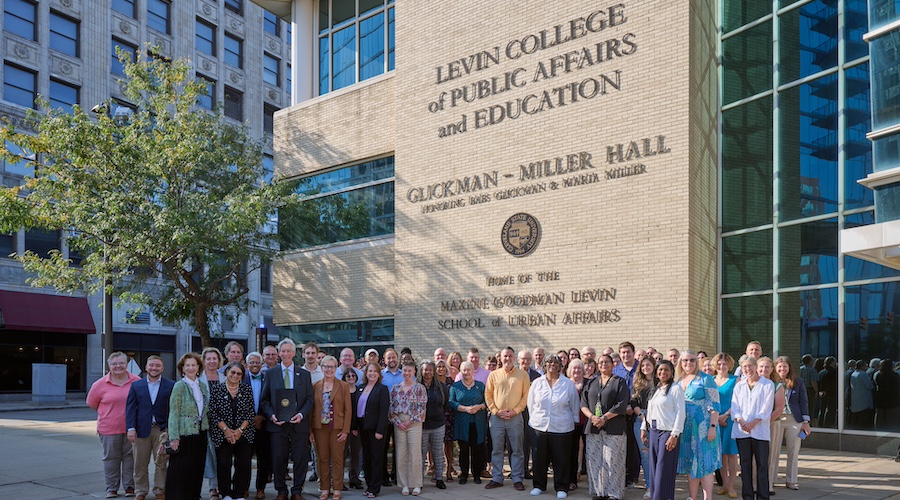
(55, 455)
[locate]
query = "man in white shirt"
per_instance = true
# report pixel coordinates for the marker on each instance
(347, 359)
(146, 416)
(261, 443)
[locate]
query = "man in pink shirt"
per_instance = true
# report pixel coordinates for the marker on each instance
(109, 396)
(481, 373)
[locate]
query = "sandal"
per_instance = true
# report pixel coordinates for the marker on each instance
(369, 494)
(324, 495)
(336, 495)
(722, 491)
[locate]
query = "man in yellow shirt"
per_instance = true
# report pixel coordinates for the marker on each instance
(506, 394)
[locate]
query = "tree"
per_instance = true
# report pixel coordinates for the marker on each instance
(166, 205)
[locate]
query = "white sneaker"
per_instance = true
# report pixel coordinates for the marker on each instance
(535, 492)
(416, 491)
(648, 496)
(561, 494)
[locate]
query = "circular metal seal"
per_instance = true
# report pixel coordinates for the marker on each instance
(520, 235)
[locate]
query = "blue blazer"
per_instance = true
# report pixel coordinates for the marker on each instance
(273, 381)
(799, 401)
(140, 412)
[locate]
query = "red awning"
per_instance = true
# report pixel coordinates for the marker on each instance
(45, 313)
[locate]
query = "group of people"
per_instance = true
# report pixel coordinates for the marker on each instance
(600, 417)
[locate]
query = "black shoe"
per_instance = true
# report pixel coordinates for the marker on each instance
(528, 475)
(386, 482)
(440, 485)
(314, 477)
(462, 480)
(771, 493)
(477, 480)
(346, 488)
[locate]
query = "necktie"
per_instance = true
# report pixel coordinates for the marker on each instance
(256, 377)
(287, 379)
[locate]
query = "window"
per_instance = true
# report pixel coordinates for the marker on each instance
(356, 41)
(265, 277)
(206, 38)
(290, 33)
(269, 118)
(20, 18)
(268, 168)
(158, 15)
(234, 51)
(271, 70)
(344, 204)
(236, 6)
(19, 85)
(117, 67)
(42, 242)
(64, 34)
(271, 23)
(207, 101)
(124, 7)
(63, 95)
(289, 80)
(234, 104)
(21, 166)
(8, 245)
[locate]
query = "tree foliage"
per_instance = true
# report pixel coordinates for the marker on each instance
(166, 203)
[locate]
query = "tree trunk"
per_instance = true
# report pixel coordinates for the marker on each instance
(201, 324)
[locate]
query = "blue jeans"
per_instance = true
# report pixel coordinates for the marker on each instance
(501, 430)
(644, 448)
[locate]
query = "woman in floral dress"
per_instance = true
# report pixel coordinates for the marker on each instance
(699, 456)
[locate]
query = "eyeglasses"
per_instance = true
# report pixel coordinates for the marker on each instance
(604, 362)
(689, 360)
(118, 363)
(236, 372)
(329, 367)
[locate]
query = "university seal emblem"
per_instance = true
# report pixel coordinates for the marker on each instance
(520, 235)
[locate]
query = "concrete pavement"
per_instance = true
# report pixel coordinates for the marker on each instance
(50, 454)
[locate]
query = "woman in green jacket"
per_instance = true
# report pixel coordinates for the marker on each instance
(188, 424)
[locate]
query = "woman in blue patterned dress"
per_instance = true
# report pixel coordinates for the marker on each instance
(699, 455)
(724, 365)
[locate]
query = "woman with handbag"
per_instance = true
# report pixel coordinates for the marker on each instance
(187, 425)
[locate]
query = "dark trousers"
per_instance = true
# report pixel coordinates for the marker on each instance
(262, 447)
(754, 450)
(576, 436)
(528, 440)
(663, 465)
(471, 449)
(290, 439)
(555, 448)
(632, 454)
(392, 475)
(184, 477)
(354, 451)
(373, 459)
(241, 453)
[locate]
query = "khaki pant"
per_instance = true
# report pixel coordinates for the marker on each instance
(408, 447)
(144, 449)
(330, 459)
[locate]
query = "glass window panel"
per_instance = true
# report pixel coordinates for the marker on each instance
(886, 152)
(741, 12)
(342, 11)
(883, 12)
(886, 81)
(371, 46)
(207, 100)
(745, 319)
(63, 34)
(748, 63)
(887, 202)
(269, 119)
(233, 51)
(808, 42)
(20, 18)
(117, 67)
(158, 15)
(747, 262)
(236, 6)
(344, 59)
(870, 335)
(858, 269)
(7, 245)
(324, 24)
(63, 95)
(234, 104)
(366, 6)
(271, 70)
(21, 167)
(268, 168)
(857, 149)
(41, 242)
(363, 173)
(288, 79)
(808, 253)
(206, 38)
(391, 38)
(19, 86)
(747, 165)
(808, 323)
(856, 24)
(124, 7)
(323, 66)
(353, 333)
(808, 140)
(271, 23)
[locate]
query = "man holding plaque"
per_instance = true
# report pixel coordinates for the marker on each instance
(287, 400)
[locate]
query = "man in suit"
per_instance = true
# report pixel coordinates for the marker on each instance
(290, 435)
(261, 445)
(146, 414)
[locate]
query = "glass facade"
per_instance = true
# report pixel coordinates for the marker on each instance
(795, 114)
(356, 41)
(332, 337)
(344, 204)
